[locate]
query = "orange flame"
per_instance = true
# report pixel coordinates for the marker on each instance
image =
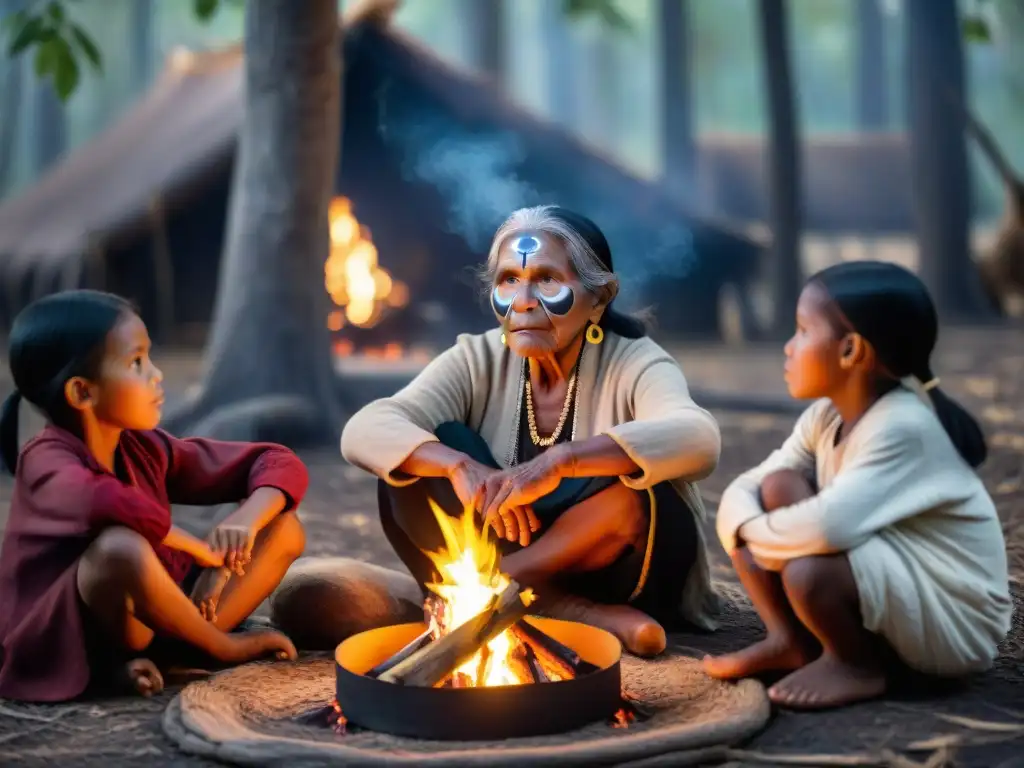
(470, 578)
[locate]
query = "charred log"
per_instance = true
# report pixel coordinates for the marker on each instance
(420, 642)
(550, 652)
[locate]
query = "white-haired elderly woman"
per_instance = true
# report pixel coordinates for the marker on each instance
(570, 432)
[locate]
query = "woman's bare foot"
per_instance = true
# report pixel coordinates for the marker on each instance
(776, 653)
(247, 646)
(828, 682)
(639, 633)
(142, 676)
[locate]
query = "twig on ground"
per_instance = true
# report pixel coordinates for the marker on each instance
(19, 715)
(45, 723)
(982, 725)
(884, 759)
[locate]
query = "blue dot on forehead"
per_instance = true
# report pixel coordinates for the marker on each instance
(526, 245)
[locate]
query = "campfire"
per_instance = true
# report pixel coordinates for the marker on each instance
(478, 667)
(364, 292)
(475, 634)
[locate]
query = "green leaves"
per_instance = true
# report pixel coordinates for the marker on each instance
(58, 42)
(975, 30)
(204, 9)
(207, 9)
(605, 10)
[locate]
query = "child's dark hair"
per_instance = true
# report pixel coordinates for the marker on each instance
(52, 340)
(891, 308)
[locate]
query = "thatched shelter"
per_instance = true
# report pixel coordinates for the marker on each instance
(432, 158)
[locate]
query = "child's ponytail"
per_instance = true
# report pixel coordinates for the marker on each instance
(962, 428)
(9, 431)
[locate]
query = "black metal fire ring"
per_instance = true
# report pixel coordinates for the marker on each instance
(466, 714)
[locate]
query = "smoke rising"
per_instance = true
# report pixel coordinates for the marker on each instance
(480, 176)
(475, 173)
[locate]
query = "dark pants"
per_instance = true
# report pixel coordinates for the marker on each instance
(410, 526)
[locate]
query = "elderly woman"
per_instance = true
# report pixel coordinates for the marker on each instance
(571, 433)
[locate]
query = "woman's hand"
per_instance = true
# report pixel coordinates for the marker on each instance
(509, 495)
(468, 480)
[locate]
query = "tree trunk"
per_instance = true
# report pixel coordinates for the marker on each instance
(678, 149)
(484, 26)
(938, 156)
(10, 104)
(141, 43)
(596, 84)
(50, 127)
(268, 369)
(872, 91)
(559, 66)
(784, 274)
(10, 107)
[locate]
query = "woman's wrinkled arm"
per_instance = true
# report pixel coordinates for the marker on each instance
(670, 436)
(383, 436)
(432, 460)
(597, 456)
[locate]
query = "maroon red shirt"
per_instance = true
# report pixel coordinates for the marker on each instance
(63, 498)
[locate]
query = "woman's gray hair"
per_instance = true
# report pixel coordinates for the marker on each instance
(591, 272)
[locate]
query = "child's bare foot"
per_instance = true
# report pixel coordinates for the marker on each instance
(207, 591)
(776, 653)
(828, 682)
(142, 676)
(247, 646)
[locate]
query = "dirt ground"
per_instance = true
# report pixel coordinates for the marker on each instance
(978, 724)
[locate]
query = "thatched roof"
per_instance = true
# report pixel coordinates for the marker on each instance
(425, 144)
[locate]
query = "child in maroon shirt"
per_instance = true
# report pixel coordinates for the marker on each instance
(91, 564)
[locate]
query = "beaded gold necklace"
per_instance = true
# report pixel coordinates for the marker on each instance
(531, 418)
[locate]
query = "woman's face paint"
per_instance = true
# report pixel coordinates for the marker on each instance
(559, 304)
(499, 303)
(525, 246)
(537, 295)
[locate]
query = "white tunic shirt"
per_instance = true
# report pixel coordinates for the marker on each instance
(920, 530)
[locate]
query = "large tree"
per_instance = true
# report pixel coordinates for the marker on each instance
(783, 270)
(938, 156)
(872, 92)
(10, 100)
(267, 367)
(678, 145)
(484, 28)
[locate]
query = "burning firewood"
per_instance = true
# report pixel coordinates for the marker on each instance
(550, 653)
(437, 659)
(539, 675)
(419, 642)
(520, 666)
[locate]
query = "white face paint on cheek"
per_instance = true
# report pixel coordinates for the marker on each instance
(561, 303)
(499, 303)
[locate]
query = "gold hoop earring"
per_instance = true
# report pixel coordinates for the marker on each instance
(595, 334)
(504, 341)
